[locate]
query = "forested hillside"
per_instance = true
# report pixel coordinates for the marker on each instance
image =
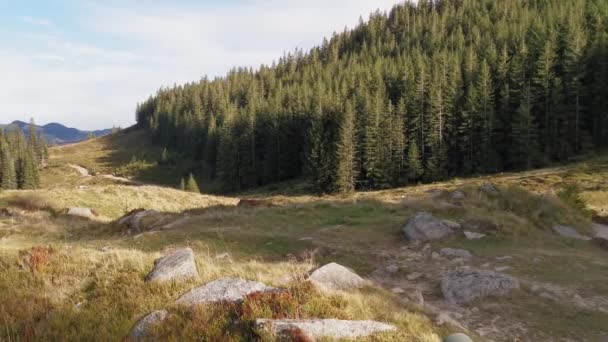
(427, 91)
(20, 158)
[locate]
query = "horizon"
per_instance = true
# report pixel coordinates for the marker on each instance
(87, 65)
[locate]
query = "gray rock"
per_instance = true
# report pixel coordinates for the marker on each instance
(464, 285)
(457, 195)
(397, 290)
(142, 328)
(224, 289)
(133, 219)
(444, 318)
(81, 212)
(452, 224)
(459, 337)
(453, 253)
(415, 296)
(489, 188)
(600, 231)
(425, 227)
(322, 328)
(392, 269)
(335, 277)
(569, 232)
(473, 235)
(502, 268)
(179, 264)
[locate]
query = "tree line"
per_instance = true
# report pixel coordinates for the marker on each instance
(21, 158)
(427, 91)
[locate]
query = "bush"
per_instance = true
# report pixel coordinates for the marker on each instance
(36, 258)
(29, 202)
(571, 196)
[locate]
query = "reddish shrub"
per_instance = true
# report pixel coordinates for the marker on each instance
(254, 203)
(297, 335)
(36, 258)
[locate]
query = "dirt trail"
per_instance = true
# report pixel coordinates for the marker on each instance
(86, 173)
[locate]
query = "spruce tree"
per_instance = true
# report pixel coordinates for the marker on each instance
(345, 173)
(8, 175)
(414, 164)
(191, 185)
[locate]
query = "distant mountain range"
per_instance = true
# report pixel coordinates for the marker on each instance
(56, 133)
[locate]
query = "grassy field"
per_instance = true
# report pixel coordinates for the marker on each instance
(61, 278)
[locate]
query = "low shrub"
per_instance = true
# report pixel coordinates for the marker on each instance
(29, 202)
(36, 258)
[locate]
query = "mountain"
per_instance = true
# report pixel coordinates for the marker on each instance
(56, 133)
(430, 90)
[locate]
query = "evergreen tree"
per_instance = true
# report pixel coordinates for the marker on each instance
(192, 185)
(346, 174)
(8, 179)
(182, 184)
(414, 164)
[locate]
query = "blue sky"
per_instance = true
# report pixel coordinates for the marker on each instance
(87, 63)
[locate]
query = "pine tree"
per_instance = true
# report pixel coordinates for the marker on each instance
(524, 151)
(346, 174)
(30, 178)
(182, 184)
(414, 164)
(164, 157)
(192, 185)
(8, 179)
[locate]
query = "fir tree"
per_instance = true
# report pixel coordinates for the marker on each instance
(192, 185)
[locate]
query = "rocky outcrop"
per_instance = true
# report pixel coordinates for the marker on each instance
(335, 277)
(464, 285)
(459, 337)
(81, 212)
(453, 253)
(570, 232)
(321, 328)
(489, 188)
(425, 227)
(177, 265)
(473, 235)
(133, 219)
(223, 290)
(141, 329)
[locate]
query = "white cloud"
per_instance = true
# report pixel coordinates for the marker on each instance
(87, 84)
(36, 21)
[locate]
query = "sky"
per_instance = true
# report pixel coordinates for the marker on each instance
(88, 63)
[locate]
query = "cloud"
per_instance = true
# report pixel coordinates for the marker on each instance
(36, 22)
(124, 52)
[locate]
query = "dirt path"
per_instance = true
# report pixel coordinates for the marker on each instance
(86, 173)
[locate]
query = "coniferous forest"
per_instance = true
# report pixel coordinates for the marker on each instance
(20, 158)
(428, 91)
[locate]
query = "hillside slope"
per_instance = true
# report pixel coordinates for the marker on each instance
(94, 274)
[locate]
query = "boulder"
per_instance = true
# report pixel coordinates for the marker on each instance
(142, 328)
(321, 328)
(457, 196)
(452, 224)
(453, 253)
(473, 235)
(425, 227)
(335, 277)
(569, 232)
(459, 337)
(600, 231)
(464, 285)
(179, 264)
(81, 212)
(223, 290)
(489, 188)
(133, 220)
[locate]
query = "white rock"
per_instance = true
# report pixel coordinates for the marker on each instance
(81, 212)
(570, 233)
(224, 289)
(322, 328)
(336, 277)
(141, 329)
(179, 264)
(473, 235)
